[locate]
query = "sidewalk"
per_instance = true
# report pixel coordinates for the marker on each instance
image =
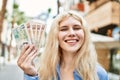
(10, 71)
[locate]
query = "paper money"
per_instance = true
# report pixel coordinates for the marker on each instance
(31, 32)
(21, 36)
(36, 30)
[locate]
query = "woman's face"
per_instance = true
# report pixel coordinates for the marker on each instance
(71, 35)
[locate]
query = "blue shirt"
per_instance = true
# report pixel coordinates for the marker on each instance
(102, 74)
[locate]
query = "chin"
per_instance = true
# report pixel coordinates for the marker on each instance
(72, 50)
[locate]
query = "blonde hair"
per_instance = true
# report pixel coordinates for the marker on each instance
(85, 61)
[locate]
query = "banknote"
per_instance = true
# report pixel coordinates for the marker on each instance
(31, 32)
(21, 36)
(36, 31)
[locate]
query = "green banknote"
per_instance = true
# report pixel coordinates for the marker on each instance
(21, 36)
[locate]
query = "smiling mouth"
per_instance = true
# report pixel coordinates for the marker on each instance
(71, 40)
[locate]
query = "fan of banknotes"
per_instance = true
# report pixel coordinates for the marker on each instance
(31, 32)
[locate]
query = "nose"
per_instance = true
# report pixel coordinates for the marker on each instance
(71, 32)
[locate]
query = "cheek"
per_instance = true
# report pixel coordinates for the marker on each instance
(61, 36)
(81, 35)
(81, 38)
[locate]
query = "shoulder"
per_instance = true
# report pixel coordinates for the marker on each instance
(102, 74)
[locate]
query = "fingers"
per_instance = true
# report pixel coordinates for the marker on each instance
(25, 61)
(25, 47)
(31, 56)
(27, 55)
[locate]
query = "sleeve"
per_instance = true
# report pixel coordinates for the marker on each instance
(106, 77)
(102, 74)
(27, 77)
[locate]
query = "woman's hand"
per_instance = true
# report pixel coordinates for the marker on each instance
(25, 61)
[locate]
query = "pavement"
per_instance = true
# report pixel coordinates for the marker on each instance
(10, 71)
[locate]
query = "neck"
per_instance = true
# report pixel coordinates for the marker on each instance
(67, 61)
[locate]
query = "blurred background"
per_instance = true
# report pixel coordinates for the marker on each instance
(102, 16)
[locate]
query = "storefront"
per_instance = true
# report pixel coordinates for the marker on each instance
(108, 51)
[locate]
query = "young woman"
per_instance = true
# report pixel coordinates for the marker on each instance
(68, 55)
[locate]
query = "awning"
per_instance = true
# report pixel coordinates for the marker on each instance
(101, 41)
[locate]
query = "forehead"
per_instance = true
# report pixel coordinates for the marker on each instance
(69, 20)
(66, 16)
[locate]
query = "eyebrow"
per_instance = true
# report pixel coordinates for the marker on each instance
(73, 25)
(77, 25)
(62, 26)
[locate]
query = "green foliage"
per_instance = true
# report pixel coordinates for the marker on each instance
(15, 6)
(49, 10)
(18, 15)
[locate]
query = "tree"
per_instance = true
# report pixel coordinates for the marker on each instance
(17, 17)
(2, 15)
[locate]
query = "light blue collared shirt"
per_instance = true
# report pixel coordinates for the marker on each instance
(102, 74)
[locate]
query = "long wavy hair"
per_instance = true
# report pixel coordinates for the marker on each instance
(85, 60)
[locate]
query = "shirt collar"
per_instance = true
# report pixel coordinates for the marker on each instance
(58, 69)
(75, 73)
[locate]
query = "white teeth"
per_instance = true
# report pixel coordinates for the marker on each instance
(71, 40)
